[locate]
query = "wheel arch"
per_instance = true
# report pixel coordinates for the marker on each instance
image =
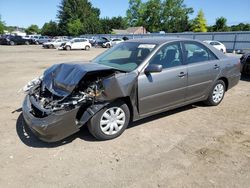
(225, 80)
(128, 102)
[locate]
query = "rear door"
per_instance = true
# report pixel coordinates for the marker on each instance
(203, 68)
(167, 88)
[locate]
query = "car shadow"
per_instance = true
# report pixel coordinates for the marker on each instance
(164, 114)
(29, 139)
(245, 77)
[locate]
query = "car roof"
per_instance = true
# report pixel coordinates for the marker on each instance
(159, 40)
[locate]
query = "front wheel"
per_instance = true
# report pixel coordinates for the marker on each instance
(87, 48)
(216, 94)
(68, 48)
(110, 122)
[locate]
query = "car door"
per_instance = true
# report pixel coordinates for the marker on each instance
(203, 68)
(75, 44)
(167, 88)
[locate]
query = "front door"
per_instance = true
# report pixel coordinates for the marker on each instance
(167, 88)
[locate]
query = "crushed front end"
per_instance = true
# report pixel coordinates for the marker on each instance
(56, 103)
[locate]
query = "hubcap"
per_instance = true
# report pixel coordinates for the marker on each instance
(112, 120)
(218, 93)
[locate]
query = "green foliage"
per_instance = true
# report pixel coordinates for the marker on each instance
(50, 29)
(2, 26)
(220, 24)
(135, 12)
(157, 15)
(107, 24)
(240, 27)
(152, 15)
(78, 17)
(74, 27)
(199, 24)
(32, 29)
(175, 16)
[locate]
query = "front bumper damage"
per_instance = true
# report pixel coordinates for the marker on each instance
(60, 102)
(51, 128)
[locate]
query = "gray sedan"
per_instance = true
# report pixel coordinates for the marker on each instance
(133, 80)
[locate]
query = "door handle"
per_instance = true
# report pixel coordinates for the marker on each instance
(182, 74)
(216, 66)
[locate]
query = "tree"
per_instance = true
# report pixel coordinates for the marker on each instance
(50, 29)
(2, 26)
(199, 24)
(220, 24)
(78, 13)
(135, 12)
(32, 29)
(240, 27)
(152, 15)
(75, 27)
(175, 16)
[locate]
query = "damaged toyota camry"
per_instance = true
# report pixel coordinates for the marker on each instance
(131, 81)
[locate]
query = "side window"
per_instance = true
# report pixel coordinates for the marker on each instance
(195, 53)
(168, 56)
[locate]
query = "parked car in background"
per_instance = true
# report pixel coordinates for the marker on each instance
(42, 39)
(245, 63)
(218, 45)
(14, 40)
(115, 41)
(133, 80)
(104, 42)
(54, 43)
(76, 44)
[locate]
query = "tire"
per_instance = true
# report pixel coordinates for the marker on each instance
(67, 48)
(36, 42)
(216, 94)
(12, 43)
(108, 46)
(51, 46)
(27, 43)
(106, 130)
(87, 48)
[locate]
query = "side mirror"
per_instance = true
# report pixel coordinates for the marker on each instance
(153, 68)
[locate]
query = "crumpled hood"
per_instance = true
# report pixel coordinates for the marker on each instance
(61, 79)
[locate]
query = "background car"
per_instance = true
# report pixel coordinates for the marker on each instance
(76, 44)
(218, 45)
(42, 39)
(116, 41)
(103, 42)
(245, 63)
(14, 40)
(54, 43)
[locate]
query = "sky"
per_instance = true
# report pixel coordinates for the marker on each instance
(23, 13)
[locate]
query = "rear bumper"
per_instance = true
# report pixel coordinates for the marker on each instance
(53, 127)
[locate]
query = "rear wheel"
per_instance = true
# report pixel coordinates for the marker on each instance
(27, 43)
(110, 122)
(216, 94)
(12, 43)
(51, 46)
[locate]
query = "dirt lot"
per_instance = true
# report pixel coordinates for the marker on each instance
(194, 146)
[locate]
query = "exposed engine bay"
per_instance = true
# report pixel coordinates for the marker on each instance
(87, 91)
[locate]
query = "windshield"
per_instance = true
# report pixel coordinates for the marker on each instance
(126, 56)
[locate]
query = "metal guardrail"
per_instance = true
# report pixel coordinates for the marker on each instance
(234, 41)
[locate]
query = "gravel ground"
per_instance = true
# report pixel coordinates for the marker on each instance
(193, 146)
